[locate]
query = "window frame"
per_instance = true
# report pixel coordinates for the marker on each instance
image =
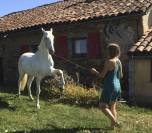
(74, 54)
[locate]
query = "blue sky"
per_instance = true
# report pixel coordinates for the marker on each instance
(9, 6)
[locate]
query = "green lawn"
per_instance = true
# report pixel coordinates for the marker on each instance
(21, 116)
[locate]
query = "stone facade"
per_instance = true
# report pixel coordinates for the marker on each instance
(142, 87)
(140, 65)
(147, 21)
(123, 31)
(11, 45)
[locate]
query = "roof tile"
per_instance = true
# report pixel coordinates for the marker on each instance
(71, 11)
(144, 44)
(140, 48)
(148, 49)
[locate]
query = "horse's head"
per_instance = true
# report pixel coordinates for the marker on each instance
(49, 40)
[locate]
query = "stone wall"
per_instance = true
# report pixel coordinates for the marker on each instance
(142, 81)
(121, 31)
(140, 68)
(11, 52)
(147, 21)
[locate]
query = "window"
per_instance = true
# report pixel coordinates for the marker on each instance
(80, 47)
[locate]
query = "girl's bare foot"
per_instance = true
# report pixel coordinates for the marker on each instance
(115, 124)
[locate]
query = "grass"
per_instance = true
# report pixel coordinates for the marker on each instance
(19, 115)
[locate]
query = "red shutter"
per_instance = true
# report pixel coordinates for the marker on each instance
(94, 47)
(61, 46)
(24, 48)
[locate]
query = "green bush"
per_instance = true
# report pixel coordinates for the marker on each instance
(51, 85)
(80, 95)
(54, 81)
(73, 94)
(78, 92)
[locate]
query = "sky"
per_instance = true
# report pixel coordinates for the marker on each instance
(9, 6)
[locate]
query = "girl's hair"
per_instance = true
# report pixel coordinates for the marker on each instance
(113, 50)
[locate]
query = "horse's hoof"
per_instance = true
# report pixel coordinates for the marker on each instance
(31, 98)
(18, 95)
(61, 89)
(38, 106)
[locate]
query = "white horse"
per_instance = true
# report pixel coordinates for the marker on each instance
(38, 65)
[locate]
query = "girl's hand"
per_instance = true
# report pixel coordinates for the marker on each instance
(94, 71)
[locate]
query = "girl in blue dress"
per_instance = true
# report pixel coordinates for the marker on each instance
(111, 74)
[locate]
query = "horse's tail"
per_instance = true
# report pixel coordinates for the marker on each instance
(22, 82)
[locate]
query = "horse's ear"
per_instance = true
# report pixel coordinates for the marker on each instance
(42, 30)
(51, 30)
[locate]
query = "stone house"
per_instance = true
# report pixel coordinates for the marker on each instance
(140, 71)
(82, 30)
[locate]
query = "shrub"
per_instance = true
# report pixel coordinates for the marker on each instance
(51, 85)
(73, 93)
(76, 94)
(54, 81)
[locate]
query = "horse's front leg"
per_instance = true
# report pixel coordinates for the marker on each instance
(19, 86)
(38, 80)
(62, 79)
(60, 73)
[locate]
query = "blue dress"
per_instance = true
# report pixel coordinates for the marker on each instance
(111, 85)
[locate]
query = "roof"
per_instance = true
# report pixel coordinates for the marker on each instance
(144, 44)
(71, 11)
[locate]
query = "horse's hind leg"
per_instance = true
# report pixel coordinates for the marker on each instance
(19, 83)
(62, 79)
(29, 82)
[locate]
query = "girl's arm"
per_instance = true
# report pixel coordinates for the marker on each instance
(104, 71)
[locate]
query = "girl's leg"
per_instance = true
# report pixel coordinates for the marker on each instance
(107, 112)
(114, 112)
(113, 109)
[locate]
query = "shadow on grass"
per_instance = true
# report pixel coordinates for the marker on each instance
(70, 130)
(6, 105)
(73, 101)
(54, 99)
